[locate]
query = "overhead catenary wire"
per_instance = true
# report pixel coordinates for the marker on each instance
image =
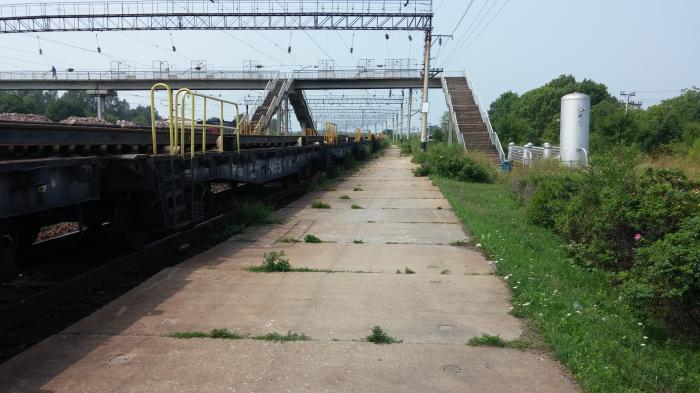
(34, 54)
(155, 45)
(484, 28)
(92, 51)
(473, 27)
(317, 44)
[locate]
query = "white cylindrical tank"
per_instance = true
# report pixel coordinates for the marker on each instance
(575, 124)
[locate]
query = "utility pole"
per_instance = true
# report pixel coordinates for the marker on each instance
(401, 124)
(401, 120)
(425, 105)
(629, 103)
(410, 110)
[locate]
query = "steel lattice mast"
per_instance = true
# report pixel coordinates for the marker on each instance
(219, 15)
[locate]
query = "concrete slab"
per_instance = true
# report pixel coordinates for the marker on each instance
(380, 258)
(416, 308)
(356, 216)
(404, 203)
(69, 364)
(387, 233)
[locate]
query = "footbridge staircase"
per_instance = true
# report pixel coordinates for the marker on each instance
(271, 100)
(470, 119)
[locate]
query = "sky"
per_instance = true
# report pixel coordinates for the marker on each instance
(646, 46)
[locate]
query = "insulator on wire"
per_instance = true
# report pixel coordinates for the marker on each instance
(386, 36)
(289, 49)
(174, 48)
(410, 37)
(351, 49)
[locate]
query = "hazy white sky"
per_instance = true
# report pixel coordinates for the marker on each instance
(644, 45)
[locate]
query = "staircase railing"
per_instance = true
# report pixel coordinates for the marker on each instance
(265, 119)
(261, 97)
(453, 114)
(485, 118)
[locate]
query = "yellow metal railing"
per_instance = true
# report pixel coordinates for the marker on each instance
(176, 120)
(358, 135)
(330, 135)
(154, 89)
(182, 95)
(309, 132)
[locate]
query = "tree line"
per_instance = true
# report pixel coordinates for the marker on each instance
(71, 103)
(672, 125)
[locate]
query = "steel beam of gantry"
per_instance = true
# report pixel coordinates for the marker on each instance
(217, 15)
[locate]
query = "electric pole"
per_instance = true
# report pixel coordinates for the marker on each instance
(425, 105)
(410, 110)
(629, 103)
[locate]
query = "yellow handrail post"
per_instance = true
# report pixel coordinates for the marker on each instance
(156, 87)
(205, 128)
(221, 126)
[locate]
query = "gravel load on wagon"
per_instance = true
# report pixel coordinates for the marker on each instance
(87, 121)
(24, 117)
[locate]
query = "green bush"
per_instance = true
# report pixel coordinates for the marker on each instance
(666, 276)
(638, 223)
(451, 162)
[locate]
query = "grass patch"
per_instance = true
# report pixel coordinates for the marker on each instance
(371, 221)
(216, 333)
(356, 241)
(317, 204)
(379, 336)
(289, 240)
(273, 262)
(249, 213)
(276, 337)
(408, 270)
(446, 271)
(344, 197)
(577, 312)
(357, 189)
(486, 340)
(309, 238)
(354, 206)
(459, 243)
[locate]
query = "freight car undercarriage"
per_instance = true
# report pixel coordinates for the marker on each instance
(98, 177)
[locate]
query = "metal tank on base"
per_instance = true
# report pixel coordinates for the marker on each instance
(574, 128)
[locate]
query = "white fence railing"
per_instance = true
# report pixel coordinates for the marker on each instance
(529, 153)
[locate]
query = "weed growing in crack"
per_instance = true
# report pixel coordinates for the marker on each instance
(486, 340)
(309, 238)
(408, 270)
(273, 262)
(317, 204)
(216, 333)
(276, 337)
(355, 206)
(379, 336)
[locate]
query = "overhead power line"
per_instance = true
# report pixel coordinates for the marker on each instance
(461, 18)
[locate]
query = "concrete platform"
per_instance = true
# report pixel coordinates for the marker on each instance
(453, 295)
(163, 365)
